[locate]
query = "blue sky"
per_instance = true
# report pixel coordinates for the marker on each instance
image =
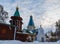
(44, 12)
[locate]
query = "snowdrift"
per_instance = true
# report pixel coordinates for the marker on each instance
(19, 42)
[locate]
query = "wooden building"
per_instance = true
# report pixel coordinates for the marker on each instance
(6, 32)
(13, 31)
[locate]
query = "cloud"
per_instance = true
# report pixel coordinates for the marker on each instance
(45, 12)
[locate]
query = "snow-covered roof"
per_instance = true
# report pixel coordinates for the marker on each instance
(22, 33)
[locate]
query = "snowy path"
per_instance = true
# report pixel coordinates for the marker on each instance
(18, 42)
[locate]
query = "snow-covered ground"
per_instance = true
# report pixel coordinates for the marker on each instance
(19, 42)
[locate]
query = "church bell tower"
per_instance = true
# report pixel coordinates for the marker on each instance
(31, 25)
(16, 20)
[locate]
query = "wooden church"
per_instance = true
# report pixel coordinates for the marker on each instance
(13, 31)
